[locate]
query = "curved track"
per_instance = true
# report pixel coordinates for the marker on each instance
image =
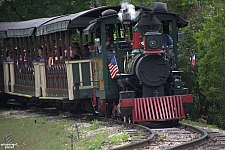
(140, 142)
(194, 142)
(186, 135)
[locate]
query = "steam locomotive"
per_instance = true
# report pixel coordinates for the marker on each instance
(132, 74)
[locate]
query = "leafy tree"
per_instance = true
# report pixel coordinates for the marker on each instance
(19, 10)
(211, 66)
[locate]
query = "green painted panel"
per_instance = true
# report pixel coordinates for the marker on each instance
(76, 74)
(86, 74)
(84, 93)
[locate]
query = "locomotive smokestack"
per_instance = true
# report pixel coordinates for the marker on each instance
(148, 22)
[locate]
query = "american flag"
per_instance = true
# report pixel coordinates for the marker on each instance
(113, 68)
(192, 60)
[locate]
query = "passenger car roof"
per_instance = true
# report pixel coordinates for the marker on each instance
(43, 26)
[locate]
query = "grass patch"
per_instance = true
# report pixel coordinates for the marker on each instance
(163, 136)
(51, 133)
(121, 137)
(36, 136)
(200, 124)
(95, 125)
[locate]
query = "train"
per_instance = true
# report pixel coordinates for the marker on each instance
(131, 72)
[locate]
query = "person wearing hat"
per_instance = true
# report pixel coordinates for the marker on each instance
(91, 47)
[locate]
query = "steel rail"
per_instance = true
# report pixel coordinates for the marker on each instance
(140, 143)
(150, 137)
(133, 144)
(188, 145)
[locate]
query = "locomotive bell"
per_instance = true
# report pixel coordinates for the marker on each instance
(148, 22)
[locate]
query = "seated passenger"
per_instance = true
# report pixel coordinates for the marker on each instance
(31, 58)
(78, 50)
(87, 53)
(91, 47)
(10, 56)
(73, 53)
(50, 60)
(40, 54)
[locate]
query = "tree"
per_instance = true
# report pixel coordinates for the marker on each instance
(211, 66)
(20, 10)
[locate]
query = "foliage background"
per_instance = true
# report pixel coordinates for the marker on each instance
(205, 35)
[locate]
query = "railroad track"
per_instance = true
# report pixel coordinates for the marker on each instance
(183, 136)
(215, 140)
(145, 137)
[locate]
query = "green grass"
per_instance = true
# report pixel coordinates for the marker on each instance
(51, 133)
(43, 135)
(201, 124)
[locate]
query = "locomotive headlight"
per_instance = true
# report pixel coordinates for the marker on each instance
(153, 42)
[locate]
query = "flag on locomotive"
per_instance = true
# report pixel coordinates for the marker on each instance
(192, 60)
(113, 68)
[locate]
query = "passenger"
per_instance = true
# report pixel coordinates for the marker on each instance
(87, 53)
(78, 51)
(32, 57)
(167, 41)
(91, 47)
(10, 56)
(50, 60)
(2, 57)
(66, 54)
(110, 48)
(40, 53)
(77, 47)
(73, 53)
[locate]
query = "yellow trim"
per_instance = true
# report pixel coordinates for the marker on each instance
(77, 61)
(18, 94)
(101, 83)
(69, 74)
(54, 98)
(80, 73)
(12, 75)
(6, 76)
(84, 87)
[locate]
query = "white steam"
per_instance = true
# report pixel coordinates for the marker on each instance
(128, 9)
